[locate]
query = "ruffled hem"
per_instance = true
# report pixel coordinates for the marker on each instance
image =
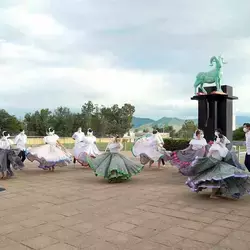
(144, 158)
(221, 184)
(114, 173)
(45, 164)
(175, 161)
(82, 159)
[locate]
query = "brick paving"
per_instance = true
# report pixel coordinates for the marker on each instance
(72, 209)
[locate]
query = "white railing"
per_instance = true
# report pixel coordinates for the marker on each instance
(238, 145)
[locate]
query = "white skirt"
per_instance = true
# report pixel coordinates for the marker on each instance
(221, 149)
(82, 148)
(48, 155)
(144, 146)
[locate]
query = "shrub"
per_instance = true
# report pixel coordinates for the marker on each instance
(173, 145)
(238, 134)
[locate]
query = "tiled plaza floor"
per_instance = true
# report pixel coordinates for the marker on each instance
(72, 209)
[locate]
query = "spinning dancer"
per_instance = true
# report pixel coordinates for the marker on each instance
(5, 142)
(113, 165)
(182, 159)
(8, 157)
(220, 144)
(78, 137)
(219, 171)
(20, 141)
(51, 154)
(87, 147)
(150, 149)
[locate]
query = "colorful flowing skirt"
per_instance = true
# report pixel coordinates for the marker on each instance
(208, 172)
(114, 166)
(83, 150)
(183, 158)
(48, 156)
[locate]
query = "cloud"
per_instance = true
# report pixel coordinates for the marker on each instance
(66, 52)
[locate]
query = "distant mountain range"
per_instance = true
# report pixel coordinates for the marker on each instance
(145, 123)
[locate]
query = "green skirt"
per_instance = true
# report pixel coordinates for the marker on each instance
(224, 175)
(114, 166)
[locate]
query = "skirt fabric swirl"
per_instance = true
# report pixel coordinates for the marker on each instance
(164, 155)
(147, 152)
(212, 173)
(83, 150)
(7, 157)
(183, 159)
(48, 156)
(114, 166)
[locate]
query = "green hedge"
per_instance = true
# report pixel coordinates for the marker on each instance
(173, 145)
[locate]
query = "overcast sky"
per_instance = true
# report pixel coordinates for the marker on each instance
(145, 52)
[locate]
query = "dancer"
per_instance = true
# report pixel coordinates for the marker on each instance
(246, 129)
(224, 140)
(5, 142)
(219, 145)
(20, 141)
(87, 147)
(150, 149)
(8, 156)
(78, 137)
(219, 171)
(182, 159)
(51, 154)
(113, 165)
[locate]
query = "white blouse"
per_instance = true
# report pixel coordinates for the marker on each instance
(115, 147)
(78, 136)
(5, 143)
(21, 141)
(51, 139)
(198, 143)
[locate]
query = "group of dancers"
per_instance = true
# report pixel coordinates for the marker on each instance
(207, 165)
(211, 165)
(111, 164)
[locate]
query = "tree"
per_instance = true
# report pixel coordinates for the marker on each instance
(87, 113)
(9, 122)
(63, 121)
(187, 130)
(170, 130)
(103, 120)
(155, 127)
(38, 122)
(78, 121)
(116, 120)
(238, 134)
(126, 114)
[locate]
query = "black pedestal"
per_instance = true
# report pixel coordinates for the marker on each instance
(216, 111)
